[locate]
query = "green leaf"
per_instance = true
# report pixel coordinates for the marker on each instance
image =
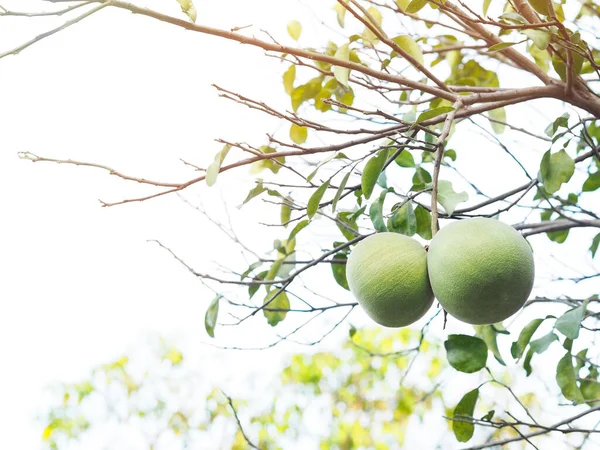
(315, 200)
(255, 192)
(486, 5)
(465, 409)
(527, 362)
(404, 220)
(339, 271)
(423, 222)
(375, 14)
(595, 244)
(489, 415)
(592, 183)
(415, 6)
(541, 39)
(289, 76)
(305, 92)
(273, 164)
(448, 198)
(431, 113)
(286, 211)
(540, 345)
(278, 300)
(342, 74)
(450, 154)
(299, 227)
(562, 121)
(466, 354)
(591, 391)
(187, 6)
(347, 219)
(340, 191)
(500, 46)
(215, 167)
(376, 213)
(409, 45)
(570, 322)
(405, 159)
(298, 134)
(371, 172)
(519, 346)
(489, 335)
(294, 29)
(421, 179)
(556, 169)
(341, 14)
(565, 378)
(500, 115)
(541, 6)
(513, 17)
(558, 236)
(252, 289)
(210, 318)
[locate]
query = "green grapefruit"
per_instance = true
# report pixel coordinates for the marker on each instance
(387, 273)
(481, 270)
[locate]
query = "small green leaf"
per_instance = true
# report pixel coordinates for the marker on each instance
(339, 271)
(294, 29)
(375, 14)
(342, 74)
(527, 362)
(215, 167)
(499, 115)
(558, 236)
(540, 345)
(255, 192)
(464, 410)
(341, 14)
(489, 335)
(299, 227)
(421, 179)
(371, 172)
(501, 46)
(489, 415)
(519, 346)
(541, 39)
(273, 164)
(570, 322)
(565, 378)
(431, 113)
(404, 220)
(286, 211)
(513, 17)
(466, 354)
(415, 6)
(298, 134)
(276, 299)
(592, 183)
(450, 154)
(448, 198)
(486, 5)
(409, 45)
(289, 76)
(315, 200)
(405, 159)
(595, 244)
(376, 213)
(562, 121)
(541, 6)
(556, 169)
(187, 6)
(340, 191)
(305, 92)
(210, 318)
(423, 222)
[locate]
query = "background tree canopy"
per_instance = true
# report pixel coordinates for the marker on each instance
(399, 116)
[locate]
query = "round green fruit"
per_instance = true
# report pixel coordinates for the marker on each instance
(387, 273)
(481, 270)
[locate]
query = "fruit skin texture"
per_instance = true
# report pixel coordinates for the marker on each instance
(481, 270)
(387, 273)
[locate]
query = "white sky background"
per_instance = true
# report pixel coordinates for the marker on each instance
(79, 283)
